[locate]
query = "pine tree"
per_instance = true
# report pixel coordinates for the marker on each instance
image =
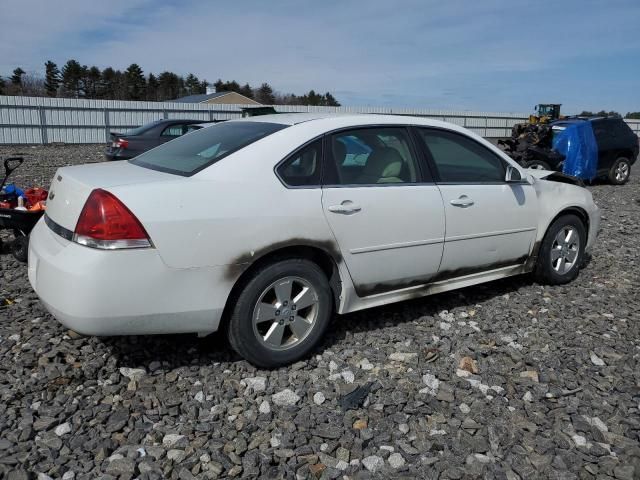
(92, 79)
(107, 88)
(16, 78)
(192, 84)
(331, 100)
(168, 86)
(265, 95)
(246, 90)
(51, 78)
(152, 88)
(135, 81)
(72, 74)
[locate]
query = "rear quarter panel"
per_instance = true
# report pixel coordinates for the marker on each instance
(232, 212)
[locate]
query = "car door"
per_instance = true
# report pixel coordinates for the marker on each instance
(386, 214)
(490, 223)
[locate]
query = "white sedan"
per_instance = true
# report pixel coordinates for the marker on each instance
(269, 225)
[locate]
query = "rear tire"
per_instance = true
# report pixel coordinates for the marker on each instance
(620, 171)
(281, 313)
(537, 165)
(562, 251)
(20, 248)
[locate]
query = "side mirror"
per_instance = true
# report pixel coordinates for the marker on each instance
(513, 174)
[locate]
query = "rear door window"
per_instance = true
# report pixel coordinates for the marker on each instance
(371, 156)
(191, 153)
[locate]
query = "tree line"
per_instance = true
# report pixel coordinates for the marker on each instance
(604, 113)
(74, 80)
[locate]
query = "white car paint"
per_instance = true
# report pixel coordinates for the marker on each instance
(209, 228)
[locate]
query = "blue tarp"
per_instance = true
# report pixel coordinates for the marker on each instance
(578, 144)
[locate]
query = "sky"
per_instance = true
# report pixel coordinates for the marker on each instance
(490, 55)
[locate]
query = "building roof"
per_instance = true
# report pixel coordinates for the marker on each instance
(203, 97)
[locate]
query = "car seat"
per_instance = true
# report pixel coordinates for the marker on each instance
(384, 165)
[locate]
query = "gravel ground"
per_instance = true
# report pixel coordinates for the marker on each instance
(504, 380)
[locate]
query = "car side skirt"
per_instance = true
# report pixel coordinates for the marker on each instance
(354, 303)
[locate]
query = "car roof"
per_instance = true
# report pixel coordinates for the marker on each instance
(346, 119)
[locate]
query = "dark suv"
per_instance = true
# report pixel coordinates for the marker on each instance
(617, 146)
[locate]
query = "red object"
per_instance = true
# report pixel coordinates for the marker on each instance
(38, 206)
(35, 195)
(104, 217)
(120, 143)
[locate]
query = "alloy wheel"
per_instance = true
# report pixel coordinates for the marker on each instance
(622, 171)
(565, 249)
(285, 313)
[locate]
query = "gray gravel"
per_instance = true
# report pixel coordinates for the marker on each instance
(556, 393)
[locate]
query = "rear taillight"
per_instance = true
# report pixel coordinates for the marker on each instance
(120, 143)
(105, 222)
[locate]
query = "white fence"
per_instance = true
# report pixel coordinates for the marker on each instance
(41, 120)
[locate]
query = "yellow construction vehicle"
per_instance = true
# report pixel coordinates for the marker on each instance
(546, 112)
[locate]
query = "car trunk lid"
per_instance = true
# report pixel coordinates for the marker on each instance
(71, 187)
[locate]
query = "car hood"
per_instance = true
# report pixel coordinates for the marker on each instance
(552, 176)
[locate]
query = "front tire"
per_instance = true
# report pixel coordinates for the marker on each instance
(562, 251)
(620, 171)
(281, 313)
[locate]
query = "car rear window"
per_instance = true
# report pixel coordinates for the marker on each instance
(141, 129)
(191, 153)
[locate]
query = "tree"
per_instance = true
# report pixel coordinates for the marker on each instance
(92, 79)
(330, 100)
(246, 90)
(72, 74)
(265, 95)
(633, 115)
(601, 113)
(107, 84)
(152, 88)
(2, 86)
(135, 82)
(192, 85)
(169, 86)
(16, 78)
(51, 78)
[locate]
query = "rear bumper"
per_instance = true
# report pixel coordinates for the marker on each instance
(125, 292)
(114, 155)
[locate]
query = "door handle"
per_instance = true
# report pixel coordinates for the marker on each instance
(463, 201)
(345, 208)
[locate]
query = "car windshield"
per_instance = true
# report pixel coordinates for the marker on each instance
(191, 153)
(141, 129)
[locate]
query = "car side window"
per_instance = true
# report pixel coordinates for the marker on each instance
(459, 159)
(371, 156)
(173, 131)
(302, 168)
(191, 128)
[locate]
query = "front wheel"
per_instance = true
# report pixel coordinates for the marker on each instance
(562, 251)
(620, 171)
(281, 313)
